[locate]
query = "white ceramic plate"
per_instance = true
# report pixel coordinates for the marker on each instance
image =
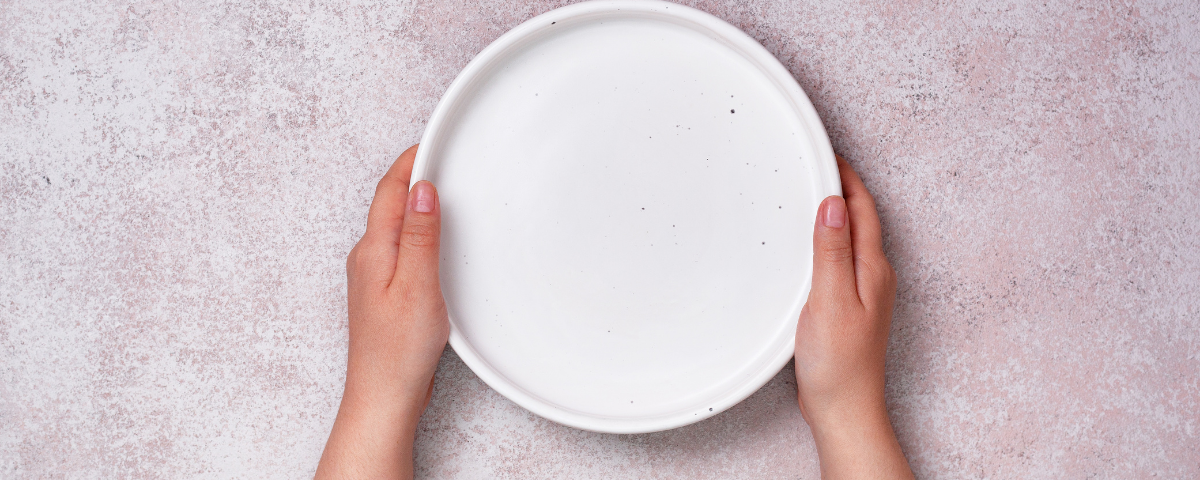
(628, 190)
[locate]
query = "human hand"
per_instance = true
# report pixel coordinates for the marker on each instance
(398, 329)
(841, 339)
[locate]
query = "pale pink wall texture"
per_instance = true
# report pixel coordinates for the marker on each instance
(181, 181)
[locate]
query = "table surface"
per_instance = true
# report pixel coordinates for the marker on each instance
(181, 182)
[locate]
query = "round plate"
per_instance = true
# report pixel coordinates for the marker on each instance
(629, 191)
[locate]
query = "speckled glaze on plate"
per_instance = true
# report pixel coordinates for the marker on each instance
(628, 192)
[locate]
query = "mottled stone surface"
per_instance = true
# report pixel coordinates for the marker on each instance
(181, 181)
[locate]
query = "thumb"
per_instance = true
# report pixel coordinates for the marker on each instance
(833, 253)
(417, 266)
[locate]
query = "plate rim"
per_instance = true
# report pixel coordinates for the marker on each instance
(738, 41)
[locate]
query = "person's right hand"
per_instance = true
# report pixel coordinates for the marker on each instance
(841, 339)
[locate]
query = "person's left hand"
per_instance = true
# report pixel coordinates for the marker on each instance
(398, 329)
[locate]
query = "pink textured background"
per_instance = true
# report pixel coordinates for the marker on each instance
(181, 181)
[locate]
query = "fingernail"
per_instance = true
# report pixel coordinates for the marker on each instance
(835, 212)
(423, 197)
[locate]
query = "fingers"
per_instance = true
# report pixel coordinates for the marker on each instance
(387, 209)
(874, 273)
(833, 253)
(374, 258)
(417, 268)
(864, 219)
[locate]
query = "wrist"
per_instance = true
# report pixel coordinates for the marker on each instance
(384, 420)
(850, 424)
(376, 391)
(375, 431)
(834, 416)
(858, 441)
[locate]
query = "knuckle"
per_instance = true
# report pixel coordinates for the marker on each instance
(882, 284)
(890, 275)
(419, 235)
(886, 272)
(361, 262)
(388, 182)
(360, 259)
(880, 269)
(836, 252)
(352, 259)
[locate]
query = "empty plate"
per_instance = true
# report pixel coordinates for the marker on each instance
(629, 190)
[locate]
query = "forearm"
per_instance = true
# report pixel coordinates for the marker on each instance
(373, 434)
(859, 443)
